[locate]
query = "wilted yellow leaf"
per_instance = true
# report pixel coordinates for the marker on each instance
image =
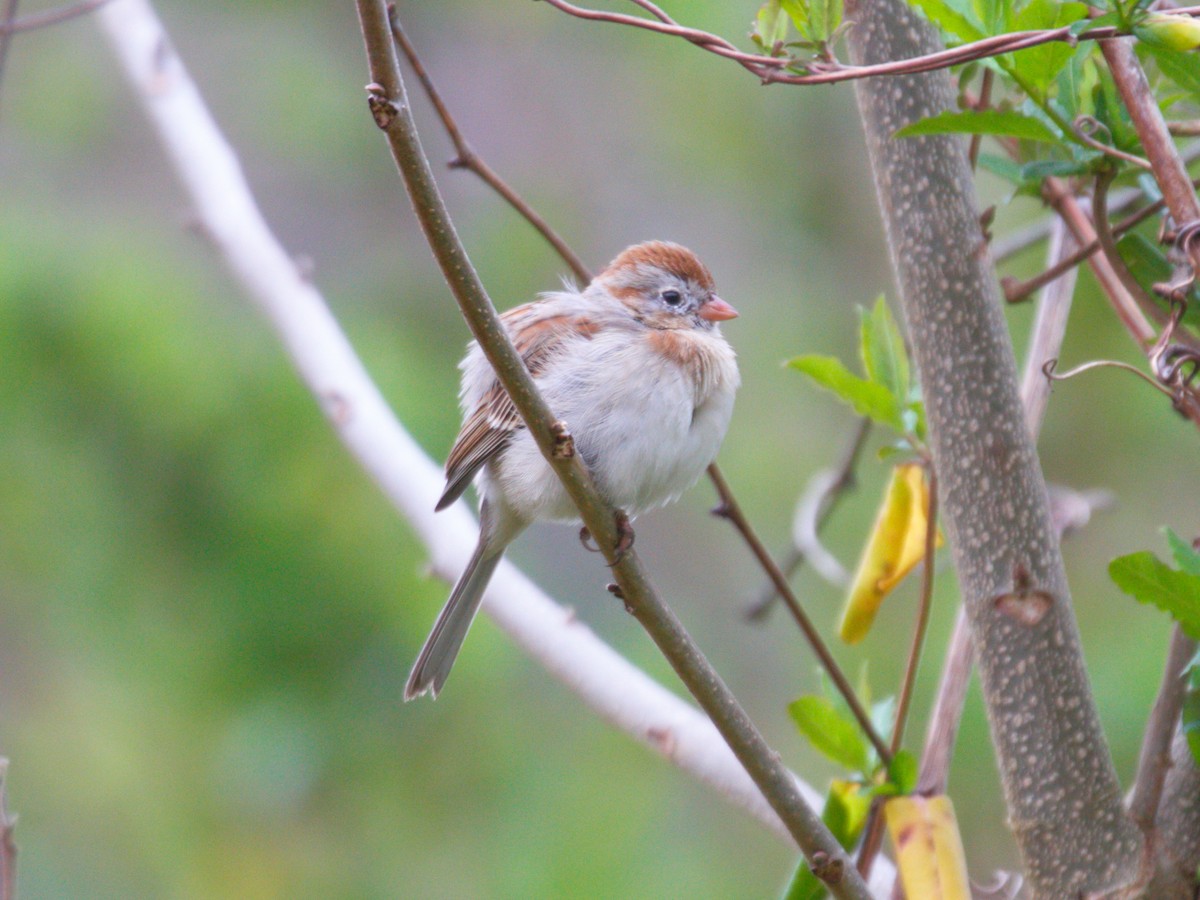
(928, 846)
(896, 545)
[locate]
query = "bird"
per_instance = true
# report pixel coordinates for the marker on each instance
(636, 367)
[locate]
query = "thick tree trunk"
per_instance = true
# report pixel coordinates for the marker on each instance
(1063, 798)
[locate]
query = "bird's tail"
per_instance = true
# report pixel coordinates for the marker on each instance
(441, 647)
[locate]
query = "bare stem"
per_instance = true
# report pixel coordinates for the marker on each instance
(1155, 757)
(1015, 293)
(8, 848)
(730, 510)
(922, 624)
(836, 483)
(389, 105)
(473, 162)
(771, 69)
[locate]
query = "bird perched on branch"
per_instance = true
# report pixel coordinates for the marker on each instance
(636, 366)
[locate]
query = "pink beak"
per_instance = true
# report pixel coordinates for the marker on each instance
(717, 310)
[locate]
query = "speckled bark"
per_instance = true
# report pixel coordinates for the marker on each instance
(1178, 821)
(1062, 793)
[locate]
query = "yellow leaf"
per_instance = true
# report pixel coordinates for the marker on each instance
(928, 846)
(896, 545)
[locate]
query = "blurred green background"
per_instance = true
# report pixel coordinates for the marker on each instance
(207, 612)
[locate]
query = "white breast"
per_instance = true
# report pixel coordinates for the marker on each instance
(647, 423)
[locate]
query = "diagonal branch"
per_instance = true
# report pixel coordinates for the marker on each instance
(771, 69)
(389, 105)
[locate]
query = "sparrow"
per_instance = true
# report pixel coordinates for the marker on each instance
(636, 367)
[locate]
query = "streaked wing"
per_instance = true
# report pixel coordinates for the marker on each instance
(539, 332)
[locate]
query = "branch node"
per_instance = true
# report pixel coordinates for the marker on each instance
(383, 110)
(827, 868)
(564, 443)
(1024, 606)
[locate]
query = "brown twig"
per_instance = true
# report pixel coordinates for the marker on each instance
(837, 481)
(468, 159)
(770, 69)
(1169, 170)
(874, 828)
(6, 22)
(729, 509)
(1020, 291)
(8, 849)
(1085, 126)
(1084, 231)
(1155, 757)
(48, 18)
(923, 609)
(983, 102)
(1108, 243)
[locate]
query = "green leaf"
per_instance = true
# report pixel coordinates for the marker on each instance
(1148, 579)
(884, 357)
(1144, 258)
(826, 16)
(903, 771)
(770, 25)
(953, 18)
(804, 884)
(868, 398)
(830, 731)
(1006, 168)
(845, 812)
(1181, 68)
(1043, 168)
(1039, 66)
(987, 121)
(1186, 556)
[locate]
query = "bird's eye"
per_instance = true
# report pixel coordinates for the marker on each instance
(672, 298)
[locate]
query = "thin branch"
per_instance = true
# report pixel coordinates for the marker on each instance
(1108, 243)
(1048, 331)
(817, 503)
(1155, 757)
(468, 159)
(923, 608)
(1025, 237)
(389, 106)
(212, 176)
(7, 17)
(873, 838)
(729, 509)
(1016, 293)
(8, 848)
(50, 17)
(983, 102)
(1126, 308)
(1169, 170)
(770, 69)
